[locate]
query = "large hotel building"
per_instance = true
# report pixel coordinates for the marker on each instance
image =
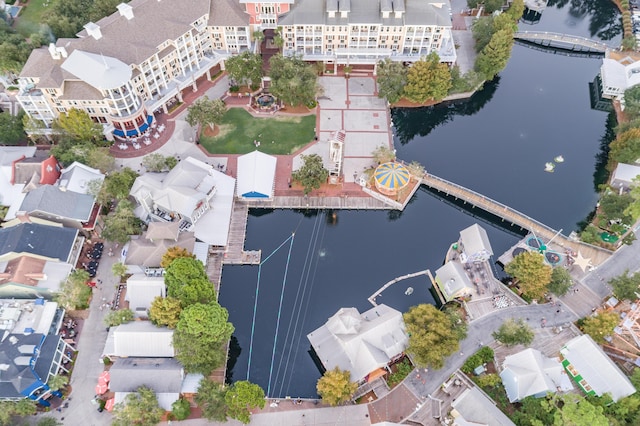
(139, 60)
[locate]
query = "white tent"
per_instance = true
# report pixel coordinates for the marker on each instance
(256, 175)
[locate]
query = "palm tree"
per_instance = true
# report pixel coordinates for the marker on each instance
(57, 382)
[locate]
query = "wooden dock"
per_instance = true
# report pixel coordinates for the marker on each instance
(214, 267)
(235, 253)
(596, 254)
(320, 202)
(372, 298)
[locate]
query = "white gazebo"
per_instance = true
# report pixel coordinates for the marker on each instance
(256, 175)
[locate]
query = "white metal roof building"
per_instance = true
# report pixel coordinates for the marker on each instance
(475, 244)
(618, 76)
(360, 343)
(139, 339)
(528, 372)
(256, 175)
(193, 193)
(593, 371)
(453, 281)
(142, 290)
(623, 176)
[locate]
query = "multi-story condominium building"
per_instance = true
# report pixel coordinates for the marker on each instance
(137, 61)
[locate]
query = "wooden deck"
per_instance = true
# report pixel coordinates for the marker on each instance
(320, 202)
(596, 254)
(235, 253)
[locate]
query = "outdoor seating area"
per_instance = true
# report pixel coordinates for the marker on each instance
(115, 305)
(90, 256)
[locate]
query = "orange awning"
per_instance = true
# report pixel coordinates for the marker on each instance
(375, 374)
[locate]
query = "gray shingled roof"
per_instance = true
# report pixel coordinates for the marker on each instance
(52, 200)
(162, 375)
(53, 242)
(227, 13)
(418, 12)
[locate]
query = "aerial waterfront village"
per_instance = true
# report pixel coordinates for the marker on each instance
(113, 249)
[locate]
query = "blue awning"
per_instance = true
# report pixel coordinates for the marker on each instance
(254, 194)
(118, 132)
(144, 127)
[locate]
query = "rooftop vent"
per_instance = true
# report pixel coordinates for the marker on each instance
(125, 10)
(93, 30)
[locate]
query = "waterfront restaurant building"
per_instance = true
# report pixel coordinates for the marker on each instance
(139, 60)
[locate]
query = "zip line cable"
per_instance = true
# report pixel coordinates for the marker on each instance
(297, 306)
(275, 337)
(306, 310)
(255, 305)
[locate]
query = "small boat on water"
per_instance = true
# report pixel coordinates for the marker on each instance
(548, 167)
(559, 159)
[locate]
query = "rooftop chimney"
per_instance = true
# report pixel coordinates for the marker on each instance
(53, 51)
(125, 10)
(93, 30)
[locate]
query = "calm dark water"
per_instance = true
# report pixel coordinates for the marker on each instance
(497, 144)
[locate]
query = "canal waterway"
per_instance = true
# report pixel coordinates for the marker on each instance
(497, 143)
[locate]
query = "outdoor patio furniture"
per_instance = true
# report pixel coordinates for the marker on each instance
(136, 146)
(157, 135)
(123, 146)
(147, 141)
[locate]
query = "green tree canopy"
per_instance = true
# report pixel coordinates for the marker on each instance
(532, 273)
(560, 281)
(600, 326)
(292, 80)
(335, 386)
(122, 223)
(165, 311)
(67, 17)
(383, 154)
(100, 158)
(67, 151)
(573, 410)
(241, 398)
(119, 269)
(428, 80)
(118, 185)
(74, 292)
(211, 400)
(57, 382)
(312, 174)
(205, 322)
(632, 100)
(431, 339)
(245, 68)
(155, 162)
(625, 148)
(614, 206)
(633, 209)
(184, 278)
(121, 316)
(78, 126)
(181, 409)
(626, 286)
(514, 332)
(392, 77)
(206, 112)
(11, 129)
(173, 253)
(495, 55)
(200, 336)
(140, 408)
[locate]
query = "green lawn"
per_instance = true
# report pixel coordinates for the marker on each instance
(277, 135)
(30, 16)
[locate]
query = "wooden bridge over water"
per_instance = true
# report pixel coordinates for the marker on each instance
(596, 254)
(562, 41)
